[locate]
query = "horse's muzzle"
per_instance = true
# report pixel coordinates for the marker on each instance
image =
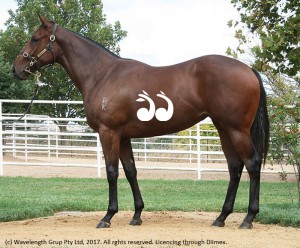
(22, 75)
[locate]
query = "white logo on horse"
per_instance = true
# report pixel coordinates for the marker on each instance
(161, 114)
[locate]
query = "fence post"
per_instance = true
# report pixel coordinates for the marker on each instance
(49, 142)
(98, 156)
(14, 139)
(26, 140)
(145, 148)
(56, 142)
(1, 141)
(198, 151)
(190, 145)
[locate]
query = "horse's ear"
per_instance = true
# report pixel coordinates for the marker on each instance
(42, 19)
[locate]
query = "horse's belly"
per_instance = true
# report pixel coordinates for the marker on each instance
(154, 127)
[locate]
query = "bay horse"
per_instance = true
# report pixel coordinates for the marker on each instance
(120, 97)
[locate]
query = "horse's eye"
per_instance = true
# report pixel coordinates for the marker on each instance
(35, 40)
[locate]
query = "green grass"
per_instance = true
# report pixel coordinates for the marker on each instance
(24, 197)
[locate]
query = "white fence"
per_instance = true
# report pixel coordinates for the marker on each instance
(42, 140)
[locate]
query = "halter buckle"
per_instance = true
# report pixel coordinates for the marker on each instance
(33, 61)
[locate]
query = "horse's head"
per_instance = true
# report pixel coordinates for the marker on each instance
(40, 50)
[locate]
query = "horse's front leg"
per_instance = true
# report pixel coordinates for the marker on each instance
(128, 163)
(110, 141)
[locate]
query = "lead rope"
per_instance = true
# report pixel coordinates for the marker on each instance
(38, 83)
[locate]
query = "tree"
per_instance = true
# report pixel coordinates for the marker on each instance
(11, 88)
(284, 113)
(7, 86)
(84, 17)
(276, 25)
(275, 28)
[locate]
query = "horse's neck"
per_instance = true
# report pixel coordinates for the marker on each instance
(84, 61)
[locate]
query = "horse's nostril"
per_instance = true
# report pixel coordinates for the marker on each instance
(16, 76)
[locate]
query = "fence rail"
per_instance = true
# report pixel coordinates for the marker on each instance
(43, 140)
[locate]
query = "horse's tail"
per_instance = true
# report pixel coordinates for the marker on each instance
(261, 128)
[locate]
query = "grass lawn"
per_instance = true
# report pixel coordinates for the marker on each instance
(25, 197)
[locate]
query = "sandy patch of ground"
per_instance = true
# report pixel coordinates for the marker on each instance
(159, 229)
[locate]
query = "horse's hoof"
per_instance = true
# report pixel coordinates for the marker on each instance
(103, 224)
(246, 225)
(136, 222)
(218, 223)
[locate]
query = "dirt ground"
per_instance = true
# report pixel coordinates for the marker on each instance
(159, 229)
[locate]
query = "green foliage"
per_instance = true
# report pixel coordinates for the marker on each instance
(7, 84)
(284, 112)
(11, 88)
(84, 17)
(277, 26)
(286, 131)
(23, 198)
(205, 130)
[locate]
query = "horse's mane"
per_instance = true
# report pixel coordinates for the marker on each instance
(94, 42)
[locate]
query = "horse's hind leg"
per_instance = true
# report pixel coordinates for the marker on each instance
(235, 167)
(243, 145)
(253, 167)
(127, 159)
